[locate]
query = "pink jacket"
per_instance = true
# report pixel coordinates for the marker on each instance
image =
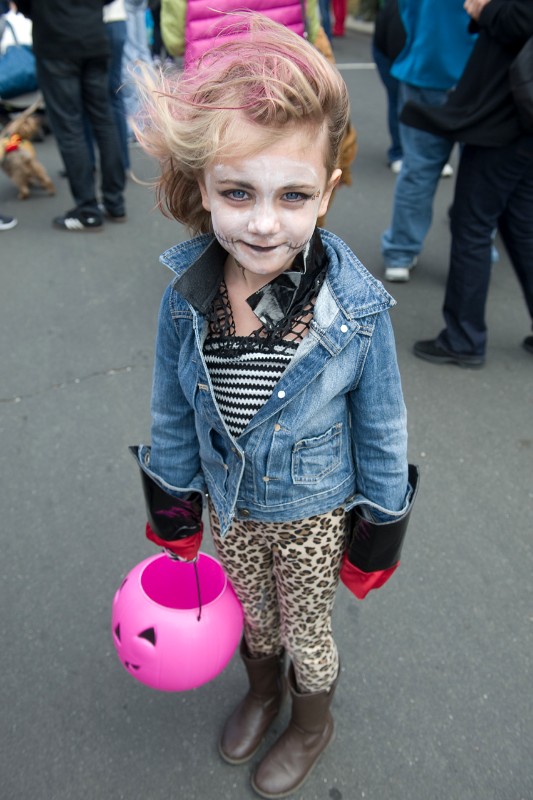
(205, 19)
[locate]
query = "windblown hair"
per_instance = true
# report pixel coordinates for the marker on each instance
(259, 72)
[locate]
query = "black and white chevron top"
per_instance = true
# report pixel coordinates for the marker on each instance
(243, 377)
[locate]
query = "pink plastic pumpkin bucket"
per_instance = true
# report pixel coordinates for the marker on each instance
(163, 636)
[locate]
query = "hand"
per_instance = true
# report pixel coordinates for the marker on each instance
(474, 7)
(182, 559)
(361, 583)
(184, 549)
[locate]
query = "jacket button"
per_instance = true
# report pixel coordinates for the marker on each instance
(245, 512)
(344, 328)
(281, 394)
(277, 426)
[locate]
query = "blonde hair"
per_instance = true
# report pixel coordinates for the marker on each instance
(258, 71)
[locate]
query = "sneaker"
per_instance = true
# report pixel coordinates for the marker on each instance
(396, 166)
(400, 274)
(77, 221)
(7, 222)
(432, 350)
(447, 171)
(527, 344)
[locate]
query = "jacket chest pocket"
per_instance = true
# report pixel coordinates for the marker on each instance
(315, 458)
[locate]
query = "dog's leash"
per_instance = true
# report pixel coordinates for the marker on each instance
(12, 126)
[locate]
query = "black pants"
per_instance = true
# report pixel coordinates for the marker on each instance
(71, 87)
(494, 188)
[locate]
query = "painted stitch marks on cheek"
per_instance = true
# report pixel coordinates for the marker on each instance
(293, 247)
(298, 247)
(224, 240)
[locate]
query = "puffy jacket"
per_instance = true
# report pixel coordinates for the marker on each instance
(189, 26)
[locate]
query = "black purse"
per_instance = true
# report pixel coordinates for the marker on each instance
(521, 80)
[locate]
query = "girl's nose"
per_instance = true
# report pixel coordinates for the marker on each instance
(263, 220)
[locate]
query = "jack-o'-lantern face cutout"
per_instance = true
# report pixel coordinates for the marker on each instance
(139, 652)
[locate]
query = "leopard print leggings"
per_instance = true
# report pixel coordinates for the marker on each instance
(285, 574)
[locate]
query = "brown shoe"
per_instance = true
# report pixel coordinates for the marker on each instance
(289, 762)
(246, 727)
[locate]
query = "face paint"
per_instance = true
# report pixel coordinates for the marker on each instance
(264, 207)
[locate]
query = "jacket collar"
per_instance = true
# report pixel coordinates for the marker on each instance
(199, 263)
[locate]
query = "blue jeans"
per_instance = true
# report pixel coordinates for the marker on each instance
(494, 188)
(71, 89)
(135, 49)
(424, 156)
(325, 17)
(116, 32)
(383, 64)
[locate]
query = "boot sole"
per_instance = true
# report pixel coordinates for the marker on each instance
(293, 789)
(237, 761)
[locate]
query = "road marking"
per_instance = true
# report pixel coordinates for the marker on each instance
(356, 65)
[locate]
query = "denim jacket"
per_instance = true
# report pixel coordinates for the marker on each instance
(333, 432)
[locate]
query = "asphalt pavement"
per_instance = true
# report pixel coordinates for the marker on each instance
(435, 697)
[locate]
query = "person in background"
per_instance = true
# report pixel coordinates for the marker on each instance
(116, 28)
(72, 56)
(387, 43)
(325, 17)
(136, 49)
(340, 9)
(437, 48)
(494, 184)
(157, 48)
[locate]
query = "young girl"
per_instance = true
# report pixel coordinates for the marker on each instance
(276, 387)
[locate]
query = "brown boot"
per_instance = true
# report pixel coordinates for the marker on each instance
(246, 727)
(289, 762)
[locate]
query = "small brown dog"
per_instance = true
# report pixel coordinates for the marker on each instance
(19, 160)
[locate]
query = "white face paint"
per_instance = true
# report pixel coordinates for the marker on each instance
(264, 207)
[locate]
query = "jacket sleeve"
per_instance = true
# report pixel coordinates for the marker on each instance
(312, 21)
(174, 456)
(379, 429)
(173, 26)
(508, 21)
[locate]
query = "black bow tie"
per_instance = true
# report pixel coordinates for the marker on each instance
(280, 299)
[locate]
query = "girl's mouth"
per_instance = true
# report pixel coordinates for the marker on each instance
(260, 248)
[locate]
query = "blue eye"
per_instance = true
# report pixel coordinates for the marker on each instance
(236, 194)
(294, 197)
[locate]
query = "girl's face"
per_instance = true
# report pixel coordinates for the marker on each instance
(264, 207)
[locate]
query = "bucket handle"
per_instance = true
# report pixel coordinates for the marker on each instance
(198, 589)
